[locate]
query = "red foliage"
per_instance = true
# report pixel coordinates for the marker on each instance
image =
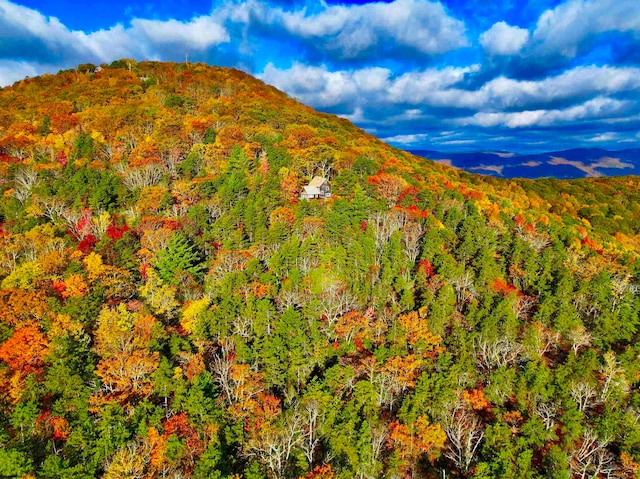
(144, 267)
(412, 191)
(363, 225)
(426, 267)
(172, 225)
(59, 287)
(4, 158)
(60, 428)
(414, 212)
(87, 243)
(62, 158)
(116, 232)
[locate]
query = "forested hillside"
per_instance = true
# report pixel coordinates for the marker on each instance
(170, 308)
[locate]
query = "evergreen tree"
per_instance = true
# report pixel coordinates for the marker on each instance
(177, 259)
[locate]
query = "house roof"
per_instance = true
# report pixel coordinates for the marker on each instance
(317, 181)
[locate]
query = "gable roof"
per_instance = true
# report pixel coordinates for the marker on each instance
(317, 181)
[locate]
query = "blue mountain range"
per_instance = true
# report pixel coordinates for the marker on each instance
(575, 163)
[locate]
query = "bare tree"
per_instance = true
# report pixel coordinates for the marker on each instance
(221, 368)
(411, 234)
(584, 394)
(312, 416)
(580, 337)
(384, 224)
(493, 353)
(25, 181)
(148, 175)
(273, 444)
(53, 208)
(547, 412)
(464, 433)
(593, 459)
(336, 300)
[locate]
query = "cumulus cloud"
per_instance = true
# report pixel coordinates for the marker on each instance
(351, 31)
(596, 109)
(323, 88)
(562, 30)
(11, 71)
(30, 36)
(443, 87)
(504, 39)
(577, 83)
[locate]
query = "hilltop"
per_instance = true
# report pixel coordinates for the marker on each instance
(170, 307)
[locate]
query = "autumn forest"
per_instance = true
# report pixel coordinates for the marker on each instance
(171, 308)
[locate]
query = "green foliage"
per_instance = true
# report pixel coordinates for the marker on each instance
(178, 259)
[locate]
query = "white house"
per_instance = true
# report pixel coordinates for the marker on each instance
(318, 188)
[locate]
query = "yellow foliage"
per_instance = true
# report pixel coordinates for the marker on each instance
(100, 223)
(191, 313)
(63, 325)
(94, 265)
(24, 276)
(159, 296)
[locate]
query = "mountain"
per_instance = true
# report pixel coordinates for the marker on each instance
(566, 164)
(170, 307)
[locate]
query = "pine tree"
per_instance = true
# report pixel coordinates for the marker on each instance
(178, 258)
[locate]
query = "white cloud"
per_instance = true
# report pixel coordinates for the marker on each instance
(595, 109)
(349, 31)
(416, 92)
(504, 39)
(371, 86)
(563, 29)
(408, 140)
(30, 36)
(578, 82)
(12, 71)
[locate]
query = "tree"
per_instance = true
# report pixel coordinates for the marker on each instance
(414, 440)
(122, 340)
(178, 259)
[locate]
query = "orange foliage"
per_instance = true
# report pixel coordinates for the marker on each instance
(501, 286)
(418, 333)
(289, 187)
(282, 214)
(419, 438)
(61, 428)
(25, 350)
(388, 186)
(404, 371)
(476, 399)
(630, 468)
(320, 472)
(72, 287)
(20, 305)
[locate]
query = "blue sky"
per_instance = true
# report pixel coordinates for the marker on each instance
(448, 75)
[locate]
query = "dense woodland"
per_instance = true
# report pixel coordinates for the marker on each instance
(169, 308)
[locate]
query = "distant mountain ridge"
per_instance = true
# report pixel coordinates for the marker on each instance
(566, 164)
